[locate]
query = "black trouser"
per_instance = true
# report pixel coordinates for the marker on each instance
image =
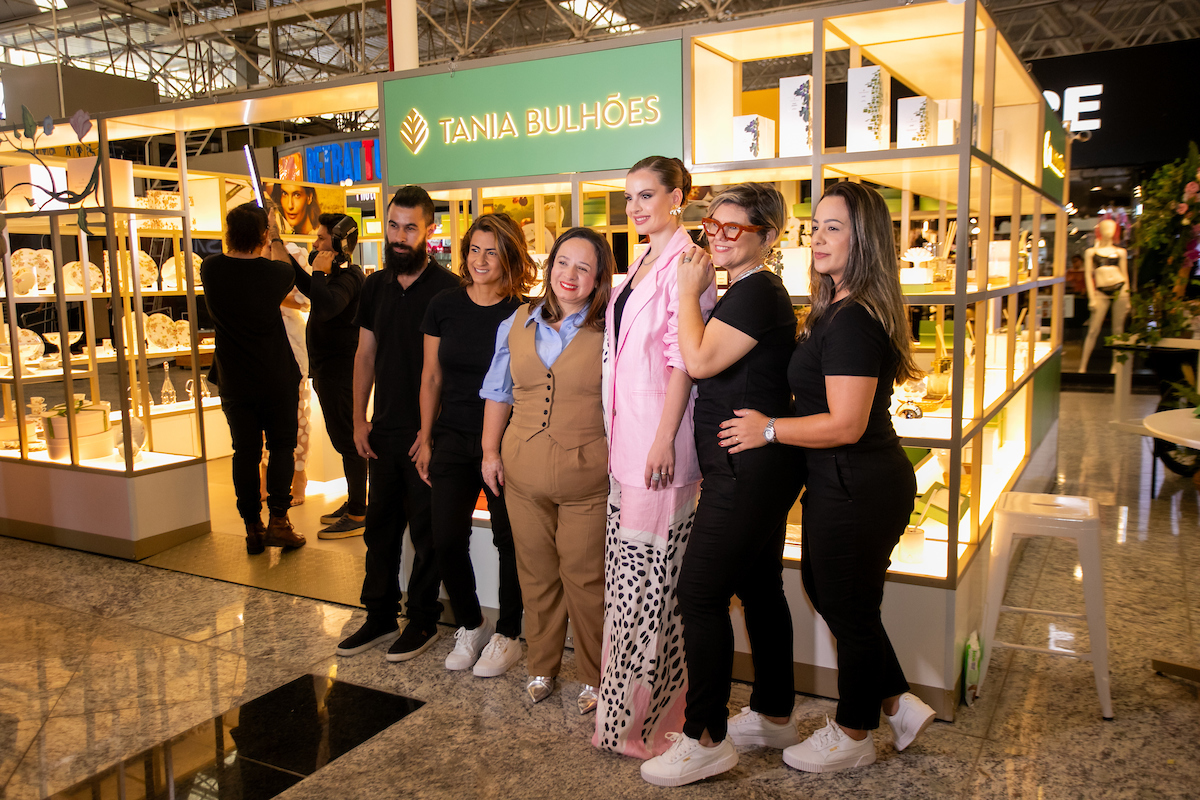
(456, 477)
(335, 390)
(399, 499)
(250, 418)
(856, 507)
(736, 547)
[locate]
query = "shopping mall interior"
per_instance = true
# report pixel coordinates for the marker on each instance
(1044, 193)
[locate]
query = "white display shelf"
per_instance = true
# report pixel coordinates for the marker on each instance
(146, 460)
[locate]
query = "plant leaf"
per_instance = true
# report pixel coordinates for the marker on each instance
(28, 123)
(48, 125)
(83, 226)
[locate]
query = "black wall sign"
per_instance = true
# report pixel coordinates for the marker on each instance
(1147, 111)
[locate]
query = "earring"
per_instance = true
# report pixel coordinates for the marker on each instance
(676, 211)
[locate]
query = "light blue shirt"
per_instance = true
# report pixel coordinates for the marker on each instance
(549, 343)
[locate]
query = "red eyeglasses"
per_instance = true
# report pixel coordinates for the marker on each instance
(730, 230)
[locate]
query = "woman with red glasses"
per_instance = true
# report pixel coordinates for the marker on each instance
(739, 359)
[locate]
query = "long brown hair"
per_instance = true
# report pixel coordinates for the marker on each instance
(872, 275)
(516, 267)
(606, 264)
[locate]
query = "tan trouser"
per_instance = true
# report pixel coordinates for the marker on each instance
(556, 503)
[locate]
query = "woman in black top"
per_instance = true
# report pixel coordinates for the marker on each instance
(854, 346)
(736, 546)
(460, 330)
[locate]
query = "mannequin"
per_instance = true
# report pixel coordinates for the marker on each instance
(1107, 280)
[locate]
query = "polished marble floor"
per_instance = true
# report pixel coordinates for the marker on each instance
(103, 660)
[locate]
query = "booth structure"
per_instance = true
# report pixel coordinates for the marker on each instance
(926, 102)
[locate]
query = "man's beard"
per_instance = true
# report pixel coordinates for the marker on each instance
(405, 260)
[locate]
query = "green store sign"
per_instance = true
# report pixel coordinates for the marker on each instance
(1054, 160)
(580, 113)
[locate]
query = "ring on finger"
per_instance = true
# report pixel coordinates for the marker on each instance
(656, 476)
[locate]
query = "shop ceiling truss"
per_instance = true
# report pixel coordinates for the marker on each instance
(196, 48)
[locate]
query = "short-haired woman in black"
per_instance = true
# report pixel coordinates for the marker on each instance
(854, 346)
(739, 359)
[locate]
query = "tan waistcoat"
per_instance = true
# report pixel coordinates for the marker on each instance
(562, 401)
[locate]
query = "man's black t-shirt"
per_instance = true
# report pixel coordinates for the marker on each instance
(253, 357)
(847, 340)
(760, 307)
(468, 335)
(394, 315)
(332, 332)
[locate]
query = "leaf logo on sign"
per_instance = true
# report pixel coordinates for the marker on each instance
(414, 131)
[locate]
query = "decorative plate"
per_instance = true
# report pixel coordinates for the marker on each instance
(183, 333)
(160, 331)
(169, 281)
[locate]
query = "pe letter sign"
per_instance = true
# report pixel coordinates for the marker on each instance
(868, 109)
(916, 121)
(795, 116)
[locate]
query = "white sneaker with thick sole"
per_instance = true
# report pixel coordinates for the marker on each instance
(500, 655)
(911, 718)
(750, 729)
(468, 644)
(687, 761)
(829, 750)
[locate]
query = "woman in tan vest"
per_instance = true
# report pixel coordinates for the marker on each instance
(544, 443)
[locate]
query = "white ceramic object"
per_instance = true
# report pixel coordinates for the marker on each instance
(170, 281)
(868, 109)
(97, 445)
(160, 331)
(795, 116)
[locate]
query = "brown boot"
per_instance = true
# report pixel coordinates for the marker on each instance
(254, 536)
(280, 533)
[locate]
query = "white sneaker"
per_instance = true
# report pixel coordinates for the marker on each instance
(500, 653)
(829, 750)
(468, 645)
(751, 728)
(912, 717)
(687, 761)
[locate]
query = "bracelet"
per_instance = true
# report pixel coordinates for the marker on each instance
(277, 239)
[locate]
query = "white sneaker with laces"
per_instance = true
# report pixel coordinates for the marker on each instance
(830, 749)
(498, 656)
(912, 717)
(751, 728)
(687, 761)
(468, 644)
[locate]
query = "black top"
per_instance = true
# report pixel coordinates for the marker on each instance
(619, 308)
(394, 315)
(332, 334)
(252, 357)
(468, 340)
(847, 340)
(760, 307)
(1105, 261)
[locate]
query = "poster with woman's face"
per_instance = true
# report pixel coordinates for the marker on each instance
(300, 205)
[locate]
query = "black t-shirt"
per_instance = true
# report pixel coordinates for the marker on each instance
(394, 315)
(619, 308)
(468, 340)
(253, 357)
(760, 307)
(847, 340)
(332, 334)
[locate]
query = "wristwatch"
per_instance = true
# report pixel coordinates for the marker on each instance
(769, 431)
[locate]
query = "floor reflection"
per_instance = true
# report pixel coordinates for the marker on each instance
(257, 750)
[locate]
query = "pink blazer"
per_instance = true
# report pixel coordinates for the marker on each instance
(636, 376)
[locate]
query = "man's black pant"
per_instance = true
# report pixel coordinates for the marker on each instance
(399, 499)
(250, 418)
(335, 390)
(457, 479)
(736, 547)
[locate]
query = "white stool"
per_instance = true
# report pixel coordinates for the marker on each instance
(1023, 515)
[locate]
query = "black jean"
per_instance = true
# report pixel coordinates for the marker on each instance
(856, 507)
(250, 418)
(736, 548)
(455, 473)
(335, 390)
(399, 499)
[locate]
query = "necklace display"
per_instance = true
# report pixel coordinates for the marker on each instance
(745, 274)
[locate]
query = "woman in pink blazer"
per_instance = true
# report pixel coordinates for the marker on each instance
(654, 474)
